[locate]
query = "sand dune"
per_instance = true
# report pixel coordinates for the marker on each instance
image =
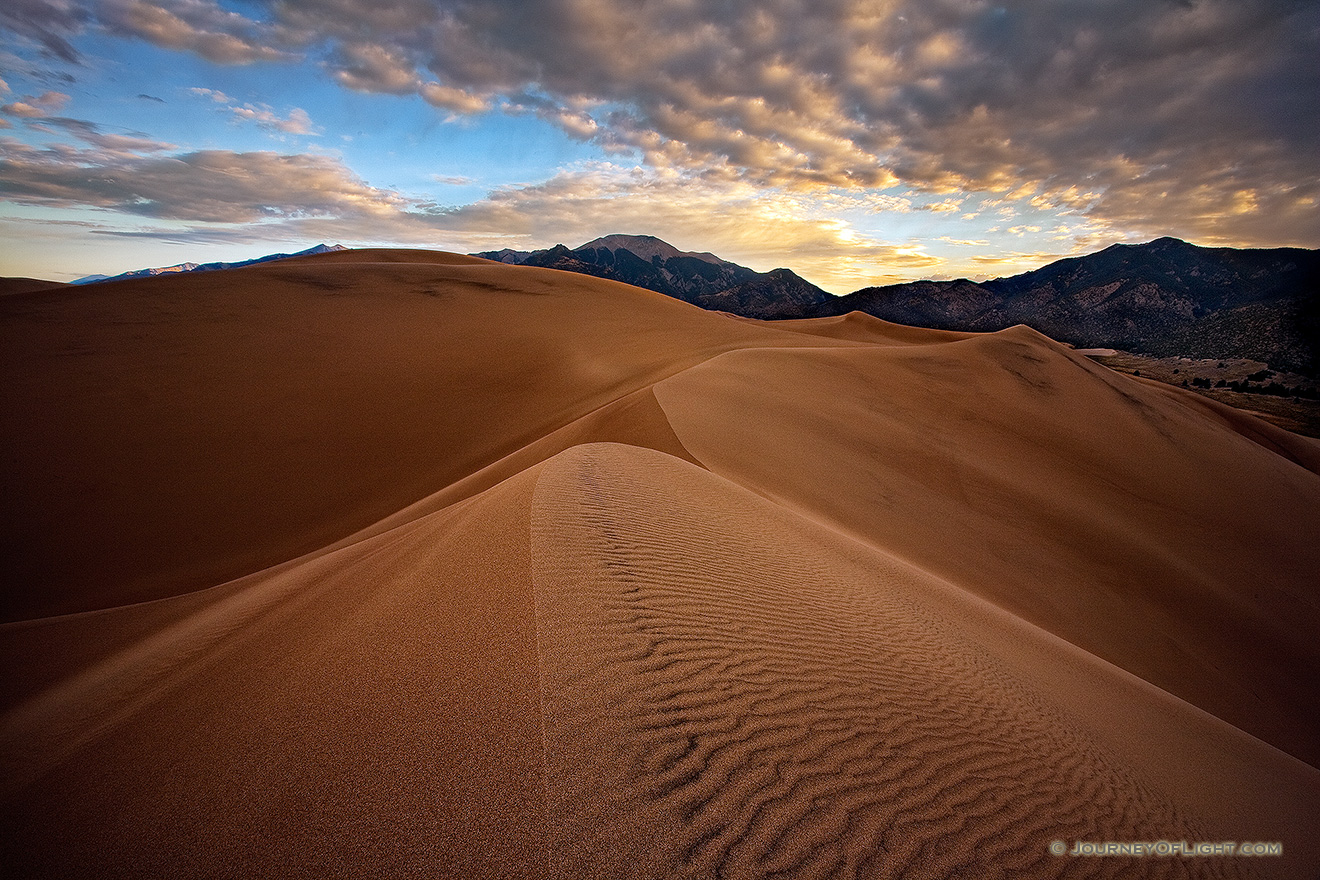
(1071, 496)
(392, 563)
(765, 697)
(233, 420)
(25, 285)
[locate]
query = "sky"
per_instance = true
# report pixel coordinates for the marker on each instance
(857, 142)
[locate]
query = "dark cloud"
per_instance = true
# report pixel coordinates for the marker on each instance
(199, 26)
(48, 22)
(108, 142)
(146, 97)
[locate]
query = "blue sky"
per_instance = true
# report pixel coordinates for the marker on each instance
(855, 142)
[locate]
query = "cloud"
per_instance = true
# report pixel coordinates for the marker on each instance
(374, 68)
(450, 98)
(208, 186)
(146, 97)
(196, 26)
(947, 206)
(108, 143)
(297, 122)
(199, 26)
(48, 22)
(214, 94)
(23, 110)
(36, 108)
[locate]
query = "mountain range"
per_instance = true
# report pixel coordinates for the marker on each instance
(1166, 297)
(1163, 298)
(702, 279)
(207, 267)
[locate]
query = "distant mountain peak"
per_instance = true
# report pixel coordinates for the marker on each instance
(646, 247)
(1164, 243)
(699, 278)
(507, 255)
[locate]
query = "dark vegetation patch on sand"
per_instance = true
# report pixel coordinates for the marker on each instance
(1289, 400)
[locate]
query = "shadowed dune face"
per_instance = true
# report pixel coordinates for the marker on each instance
(369, 712)
(172, 433)
(26, 285)
(545, 576)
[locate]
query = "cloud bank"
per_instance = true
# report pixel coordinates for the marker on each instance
(208, 186)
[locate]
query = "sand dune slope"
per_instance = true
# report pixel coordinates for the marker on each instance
(393, 563)
(732, 692)
(1112, 513)
(372, 712)
(171, 433)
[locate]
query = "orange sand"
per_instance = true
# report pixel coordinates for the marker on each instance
(398, 563)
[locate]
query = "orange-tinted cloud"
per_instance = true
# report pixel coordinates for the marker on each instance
(38, 107)
(196, 26)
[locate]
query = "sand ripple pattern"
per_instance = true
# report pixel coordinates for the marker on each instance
(729, 693)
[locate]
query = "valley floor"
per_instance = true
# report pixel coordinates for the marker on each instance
(1295, 406)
